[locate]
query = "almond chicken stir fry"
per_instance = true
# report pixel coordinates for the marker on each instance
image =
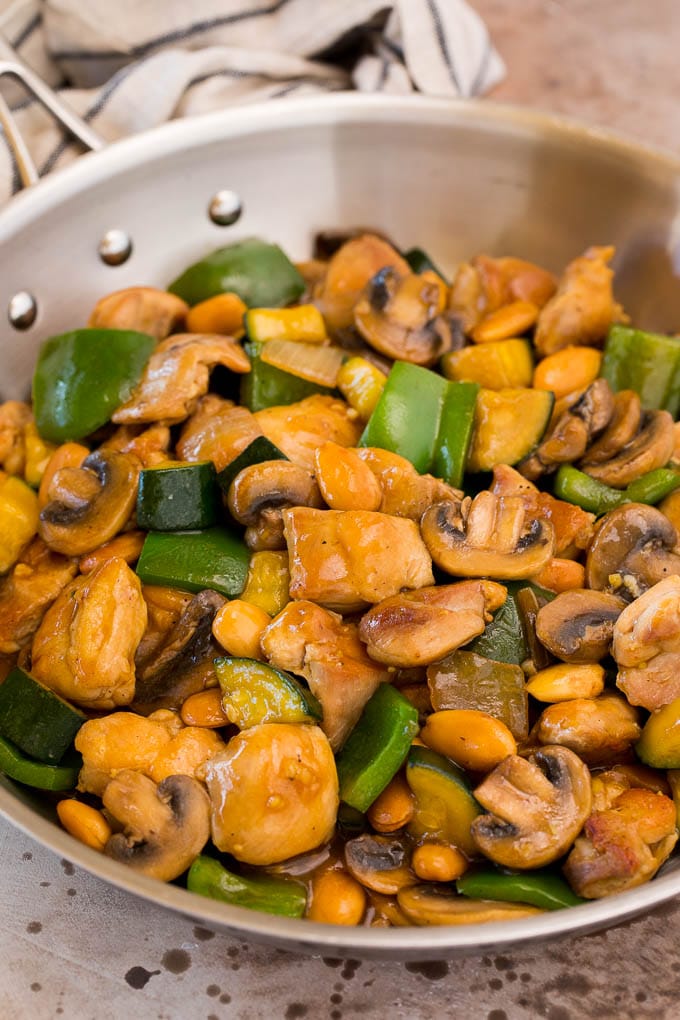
(340, 590)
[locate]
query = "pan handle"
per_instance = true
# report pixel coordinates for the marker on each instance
(12, 67)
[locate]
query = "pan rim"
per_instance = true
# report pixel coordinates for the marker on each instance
(339, 108)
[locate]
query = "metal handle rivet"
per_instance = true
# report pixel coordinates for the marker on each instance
(115, 247)
(225, 208)
(22, 310)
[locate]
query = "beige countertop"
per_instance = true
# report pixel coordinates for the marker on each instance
(74, 947)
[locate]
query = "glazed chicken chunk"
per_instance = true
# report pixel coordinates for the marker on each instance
(346, 559)
(647, 646)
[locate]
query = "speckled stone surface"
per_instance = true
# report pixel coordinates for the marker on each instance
(74, 947)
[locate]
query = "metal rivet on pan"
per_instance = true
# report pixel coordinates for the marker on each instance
(115, 247)
(22, 310)
(225, 208)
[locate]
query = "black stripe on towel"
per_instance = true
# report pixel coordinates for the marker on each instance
(179, 34)
(442, 42)
(26, 32)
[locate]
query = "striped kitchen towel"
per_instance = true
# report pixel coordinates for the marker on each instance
(129, 65)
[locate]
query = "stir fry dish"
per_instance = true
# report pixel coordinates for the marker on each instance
(346, 591)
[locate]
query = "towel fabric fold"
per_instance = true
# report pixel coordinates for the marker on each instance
(128, 66)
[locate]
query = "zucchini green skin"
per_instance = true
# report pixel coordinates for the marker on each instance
(194, 561)
(254, 693)
(438, 783)
(40, 723)
(260, 273)
(182, 498)
(376, 747)
(259, 450)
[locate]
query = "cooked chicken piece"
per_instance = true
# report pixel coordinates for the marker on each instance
(583, 308)
(405, 493)
(599, 730)
(647, 646)
(346, 559)
(14, 417)
(177, 374)
(150, 446)
(573, 526)
(316, 644)
(298, 429)
(218, 430)
(84, 648)
(28, 591)
(623, 845)
(484, 285)
(416, 628)
(146, 309)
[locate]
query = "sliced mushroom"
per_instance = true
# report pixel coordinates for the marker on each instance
(184, 664)
(146, 309)
(436, 904)
(578, 625)
(489, 536)
(621, 430)
(647, 646)
(177, 375)
(623, 846)
(380, 863)
(165, 827)
(349, 270)
(90, 504)
(634, 547)
(651, 448)
(260, 492)
(537, 807)
(571, 430)
(399, 315)
(599, 730)
(418, 628)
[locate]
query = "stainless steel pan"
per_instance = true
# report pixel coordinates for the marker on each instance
(454, 178)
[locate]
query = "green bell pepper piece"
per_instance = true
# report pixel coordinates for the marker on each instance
(577, 487)
(270, 895)
(194, 561)
(467, 680)
(653, 486)
(36, 773)
(260, 273)
(419, 261)
(82, 377)
(376, 747)
(648, 363)
(268, 386)
(407, 416)
(542, 888)
(455, 432)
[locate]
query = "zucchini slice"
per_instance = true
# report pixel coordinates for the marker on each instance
(496, 365)
(254, 692)
(509, 424)
(301, 322)
(183, 497)
(38, 721)
(259, 450)
(268, 386)
(445, 807)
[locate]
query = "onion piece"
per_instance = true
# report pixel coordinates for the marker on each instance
(319, 365)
